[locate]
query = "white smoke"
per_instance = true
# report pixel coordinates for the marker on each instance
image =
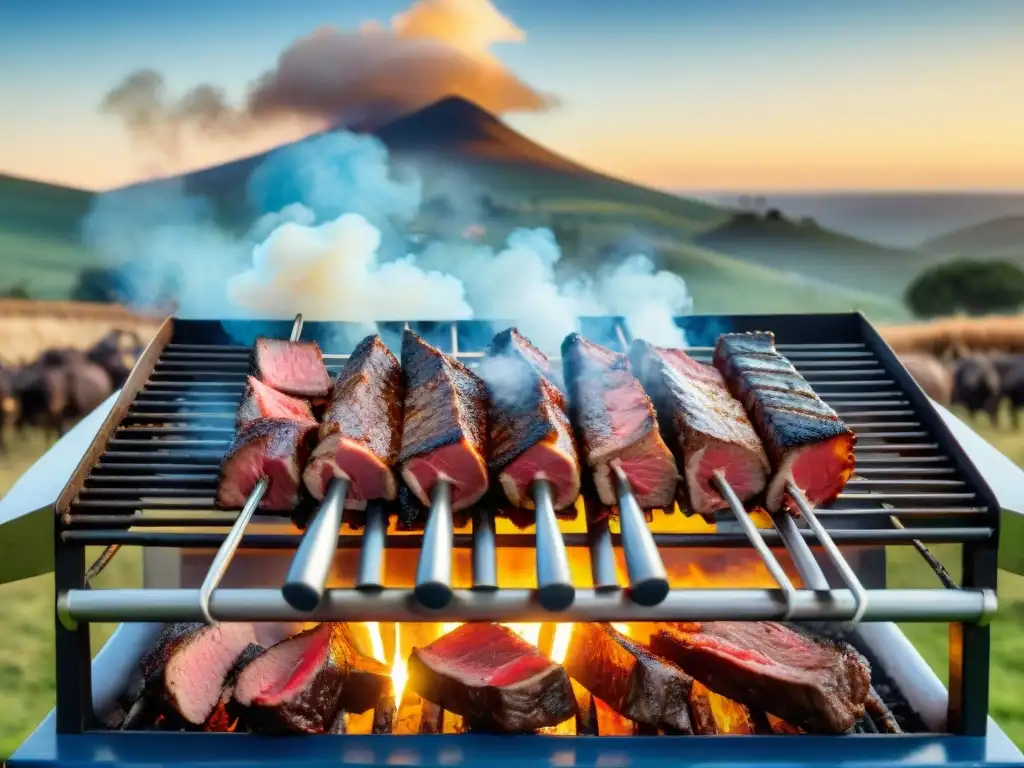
(327, 243)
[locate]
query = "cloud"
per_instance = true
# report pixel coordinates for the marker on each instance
(363, 77)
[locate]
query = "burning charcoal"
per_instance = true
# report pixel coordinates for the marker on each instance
(781, 727)
(271, 448)
(493, 678)
(444, 436)
(293, 367)
(340, 724)
(705, 426)
(807, 443)
(714, 714)
(880, 714)
(610, 722)
(362, 428)
(431, 718)
(191, 663)
(817, 685)
(530, 434)
(300, 684)
(617, 425)
(636, 684)
(262, 402)
(586, 711)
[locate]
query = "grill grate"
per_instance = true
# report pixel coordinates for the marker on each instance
(150, 480)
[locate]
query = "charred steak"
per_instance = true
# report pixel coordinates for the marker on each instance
(271, 448)
(530, 435)
(300, 684)
(293, 367)
(361, 431)
(705, 426)
(807, 443)
(444, 434)
(631, 680)
(493, 678)
(819, 685)
(616, 425)
(262, 402)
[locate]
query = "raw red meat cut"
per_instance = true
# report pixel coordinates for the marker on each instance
(617, 425)
(530, 435)
(705, 426)
(293, 367)
(493, 678)
(262, 402)
(806, 442)
(271, 448)
(444, 435)
(361, 430)
(816, 684)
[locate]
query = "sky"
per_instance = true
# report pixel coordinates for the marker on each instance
(737, 95)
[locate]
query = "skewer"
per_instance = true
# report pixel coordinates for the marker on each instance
(222, 559)
(304, 586)
(434, 570)
(774, 568)
(555, 590)
(485, 555)
(648, 581)
(371, 554)
(845, 571)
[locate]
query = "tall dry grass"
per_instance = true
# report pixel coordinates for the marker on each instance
(28, 328)
(981, 334)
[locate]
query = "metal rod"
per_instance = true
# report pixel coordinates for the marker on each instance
(370, 571)
(554, 579)
(773, 566)
(811, 575)
(311, 565)
(648, 581)
(222, 559)
(940, 570)
(485, 553)
(845, 571)
(101, 562)
(602, 556)
(515, 605)
(434, 570)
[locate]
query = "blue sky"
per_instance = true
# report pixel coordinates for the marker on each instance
(684, 94)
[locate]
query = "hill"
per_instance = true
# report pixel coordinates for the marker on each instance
(997, 237)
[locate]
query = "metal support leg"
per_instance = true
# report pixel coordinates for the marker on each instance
(969, 648)
(74, 657)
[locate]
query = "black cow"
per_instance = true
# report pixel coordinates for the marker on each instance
(56, 390)
(117, 353)
(1011, 380)
(976, 386)
(8, 403)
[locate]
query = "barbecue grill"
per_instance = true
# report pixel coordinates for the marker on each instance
(149, 479)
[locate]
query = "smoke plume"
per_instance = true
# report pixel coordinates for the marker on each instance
(363, 77)
(329, 243)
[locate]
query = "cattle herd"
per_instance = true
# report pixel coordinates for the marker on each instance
(978, 381)
(62, 385)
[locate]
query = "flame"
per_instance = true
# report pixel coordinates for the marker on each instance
(376, 641)
(399, 667)
(560, 643)
(529, 632)
(622, 629)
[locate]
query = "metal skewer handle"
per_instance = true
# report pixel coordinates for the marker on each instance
(304, 586)
(434, 570)
(648, 581)
(555, 590)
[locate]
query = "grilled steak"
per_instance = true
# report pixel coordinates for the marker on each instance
(444, 434)
(293, 367)
(361, 430)
(190, 663)
(300, 684)
(225, 718)
(493, 678)
(818, 685)
(262, 402)
(806, 441)
(271, 448)
(635, 683)
(530, 435)
(705, 426)
(616, 425)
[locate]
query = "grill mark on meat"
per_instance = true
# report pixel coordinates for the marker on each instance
(814, 684)
(705, 426)
(530, 435)
(444, 436)
(293, 367)
(616, 425)
(361, 431)
(636, 684)
(300, 684)
(274, 448)
(806, 442)
(262, 402)
(493, 678)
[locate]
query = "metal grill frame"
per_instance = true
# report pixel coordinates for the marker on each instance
(833, 335)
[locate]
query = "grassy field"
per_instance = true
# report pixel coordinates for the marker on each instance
(26, 639)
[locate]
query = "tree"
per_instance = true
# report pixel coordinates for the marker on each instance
(968, 286)
(101, 284)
